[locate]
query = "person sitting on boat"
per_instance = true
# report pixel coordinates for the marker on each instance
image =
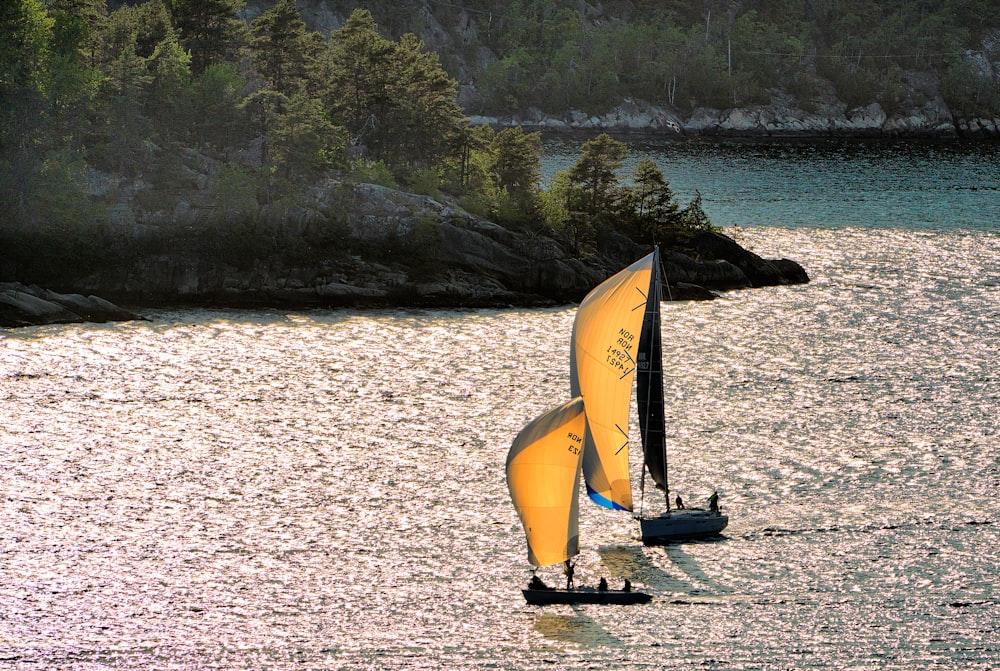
(713, 502)
(628, 585)
(569, 575)
(603, 585)
(679, 503)
(536, 583)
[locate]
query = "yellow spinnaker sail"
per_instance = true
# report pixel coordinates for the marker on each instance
(602, 367)
(543, 475)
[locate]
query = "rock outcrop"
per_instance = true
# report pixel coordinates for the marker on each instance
(425, 252)
(31, 306)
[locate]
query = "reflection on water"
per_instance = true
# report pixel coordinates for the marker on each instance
(576, 629)
(229, 490)
(916, 185)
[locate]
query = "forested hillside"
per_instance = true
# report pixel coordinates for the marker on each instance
(188, 127)
(238, 130)
(558, 55)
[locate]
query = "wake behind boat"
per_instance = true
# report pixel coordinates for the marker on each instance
(616, 338)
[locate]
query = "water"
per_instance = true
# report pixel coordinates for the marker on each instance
(324, 490)
(824, 184)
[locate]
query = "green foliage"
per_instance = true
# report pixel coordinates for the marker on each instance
(395, 100)
(968, 91)
(648, 207)
(303, 139)
(691, 54)
(516, 156)
(216, 97)
(693, 217)
(280, 48)
(425, 181)
(235, 193)
(25, 50)
(373, 172)
(138, 91)
(595, 173)
(60, 232)
(210, 30)
(556, 201)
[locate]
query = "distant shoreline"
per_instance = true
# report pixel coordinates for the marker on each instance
(766, 122)
(753, 138)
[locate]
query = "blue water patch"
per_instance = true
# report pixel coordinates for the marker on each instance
(914, 185)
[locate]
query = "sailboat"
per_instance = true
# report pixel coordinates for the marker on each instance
(543, 476)
(616, 338)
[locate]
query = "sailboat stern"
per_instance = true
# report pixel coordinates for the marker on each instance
(681, 525)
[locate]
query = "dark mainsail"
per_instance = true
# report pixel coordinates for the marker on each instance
(649, 383)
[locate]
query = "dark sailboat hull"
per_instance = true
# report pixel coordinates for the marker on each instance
(544, 597)
(681, 525)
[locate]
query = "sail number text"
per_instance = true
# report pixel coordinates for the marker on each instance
(618, 355)
(574, 448)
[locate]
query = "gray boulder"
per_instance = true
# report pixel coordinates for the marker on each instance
(33, 306)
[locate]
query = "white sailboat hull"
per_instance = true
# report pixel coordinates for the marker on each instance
(682, 525)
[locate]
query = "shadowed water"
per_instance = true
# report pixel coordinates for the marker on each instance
(237, 490)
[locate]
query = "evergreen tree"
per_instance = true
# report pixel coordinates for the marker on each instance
(25, 54)
(596, 173)
(169, 88)
(303, 141)
(693, 216)
(280, 49)
(210, 29)
(515, 166)
(395, 99)
(650, 204)
(122, 141)
(78, 26)
(216, 104)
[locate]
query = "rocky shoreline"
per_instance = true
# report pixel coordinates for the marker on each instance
(22, 305)
(474, 263)
(783, 118)
(422, 252)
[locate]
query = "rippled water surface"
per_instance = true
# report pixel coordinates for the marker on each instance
(945, 185)
(248, 490)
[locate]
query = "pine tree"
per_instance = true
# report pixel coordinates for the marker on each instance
(394, 98)
(515, 166)
(596, 173)
(210, 29)
(280, 48)
(651, 205)
(25, 53)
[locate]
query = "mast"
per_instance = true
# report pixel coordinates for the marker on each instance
(649, 385)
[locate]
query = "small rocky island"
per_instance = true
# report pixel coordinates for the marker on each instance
(457, 260)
